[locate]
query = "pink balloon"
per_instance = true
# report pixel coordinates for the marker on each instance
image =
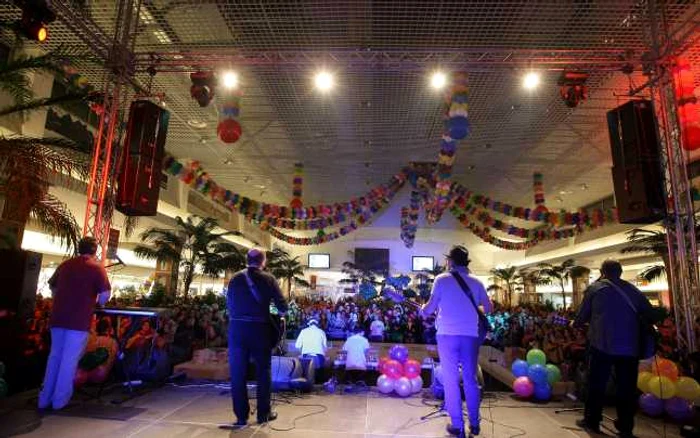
(393, 369)
(411, 368)
(523, 387)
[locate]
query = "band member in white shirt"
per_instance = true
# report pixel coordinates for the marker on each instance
(313, 343)
(458, 336)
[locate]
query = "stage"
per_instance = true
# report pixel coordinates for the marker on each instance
(181, 412)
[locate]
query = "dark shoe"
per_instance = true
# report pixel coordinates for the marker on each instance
(454, 431)
(621, 433)
(238, 425)
(272, 416)
(474, 430)
(585, 425)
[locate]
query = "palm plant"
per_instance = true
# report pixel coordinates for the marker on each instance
(426, 278)
(509, 276)
(650, 242)
(29, 166)
(289, 269)
(192, 244)
(561, 274)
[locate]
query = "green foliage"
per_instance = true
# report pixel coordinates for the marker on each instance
(560, 274)
(129, 295)
(158, 297)
(211, 298)
(285, 267)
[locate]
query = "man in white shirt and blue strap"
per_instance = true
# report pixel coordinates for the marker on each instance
(313, 343)
(458, 336)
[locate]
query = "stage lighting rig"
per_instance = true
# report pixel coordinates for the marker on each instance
(36, 15)
(573, 89)
(202, 89)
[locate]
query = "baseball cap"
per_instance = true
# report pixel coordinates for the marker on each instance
(459, 255)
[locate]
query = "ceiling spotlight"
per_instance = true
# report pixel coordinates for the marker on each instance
(230, 80)
(531, 81)
(36, 14)
(438, 80)
(324, 81)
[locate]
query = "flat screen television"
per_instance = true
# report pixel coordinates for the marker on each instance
(319, 261)
(423, 263)
(372, 259)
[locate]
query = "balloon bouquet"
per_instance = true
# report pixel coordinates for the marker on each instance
(534, 377)
(665, 390)
(399, 373)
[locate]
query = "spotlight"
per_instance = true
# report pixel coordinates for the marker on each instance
(438, 80)
(572, 89)
(531, 81)
(230, 80)
(202, 89)
(36, 15)
(324, 81)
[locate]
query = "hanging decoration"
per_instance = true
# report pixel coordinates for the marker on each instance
(297, 186)
(409, 219)
(538, 189)
(228, 129)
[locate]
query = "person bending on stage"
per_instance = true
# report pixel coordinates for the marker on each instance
(614, 341)
(356, 347)
(251, 335)
(458, 337)
(313, 343)
(76, 285)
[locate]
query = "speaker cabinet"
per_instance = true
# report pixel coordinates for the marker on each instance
(19, 277)
(140, 171)
(636, 172)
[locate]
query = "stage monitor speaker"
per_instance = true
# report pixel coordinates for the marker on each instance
(140, 172)
(637, 176)
(19, 277)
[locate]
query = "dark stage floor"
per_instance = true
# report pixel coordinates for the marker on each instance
(180, 412)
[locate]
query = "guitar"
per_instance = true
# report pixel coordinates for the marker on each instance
(279, 332)
(397, 297)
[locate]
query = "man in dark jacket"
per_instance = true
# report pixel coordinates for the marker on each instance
(249, 295)
(614, 341)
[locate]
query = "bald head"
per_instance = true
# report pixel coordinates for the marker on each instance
(256, 258)
(611, 269)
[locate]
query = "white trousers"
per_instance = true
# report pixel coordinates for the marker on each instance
(67, 347)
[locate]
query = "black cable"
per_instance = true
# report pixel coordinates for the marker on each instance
(323, 409)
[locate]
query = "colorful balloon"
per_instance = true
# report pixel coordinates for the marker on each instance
(688, 388)
(393, 369)
(519, 368)
(553, 374)
(411, 368)
(523, 387)
(542, 392)
(662, 387)
(651, 405)
(643, 380)
(382, 363)
(678, 408)
(81, 377)
(536, 357)
(399, 353)
(665, 368)
(385, 384)
(416, 384)
(229, 130)
(537, 374)
(403, 387)
(645, 365)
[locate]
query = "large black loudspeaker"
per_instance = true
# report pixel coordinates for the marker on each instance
(19, 277)
(636, 171)
(140, 172)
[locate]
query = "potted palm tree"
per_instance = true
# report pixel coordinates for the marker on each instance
(509, 276)
(289, 269)
(192, 244)
(560, 274)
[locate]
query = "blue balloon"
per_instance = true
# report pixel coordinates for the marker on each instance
(538, 374)
(543, 391)
(399, 353)
(519, 368)
(458, 127)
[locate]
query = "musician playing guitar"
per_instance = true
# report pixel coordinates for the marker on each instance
(251, 334)
(460, 300)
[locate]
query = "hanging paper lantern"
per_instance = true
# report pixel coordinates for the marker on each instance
(229, 131)
(683, 79)
(297, 186)
(691, 136)
(458, 127)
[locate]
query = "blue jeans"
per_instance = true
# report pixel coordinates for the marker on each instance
(454, 350)
(67, 348)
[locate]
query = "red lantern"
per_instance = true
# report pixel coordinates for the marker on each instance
(691, 135)
(296, 203)
(688, 113)
(683, 83)
(229, 131)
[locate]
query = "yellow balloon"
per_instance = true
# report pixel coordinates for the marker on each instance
(688, 388)
(662, 387)
(643, 381)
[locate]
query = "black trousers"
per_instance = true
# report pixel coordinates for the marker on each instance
(250, 340)
(626, 370)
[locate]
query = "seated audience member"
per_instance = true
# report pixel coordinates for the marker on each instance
(142, 337)
(312, 343)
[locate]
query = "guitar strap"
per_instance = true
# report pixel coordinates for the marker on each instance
(253, 289)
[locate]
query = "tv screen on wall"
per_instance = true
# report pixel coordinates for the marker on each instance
(319, 261)
(372, 259)
(423, 263)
